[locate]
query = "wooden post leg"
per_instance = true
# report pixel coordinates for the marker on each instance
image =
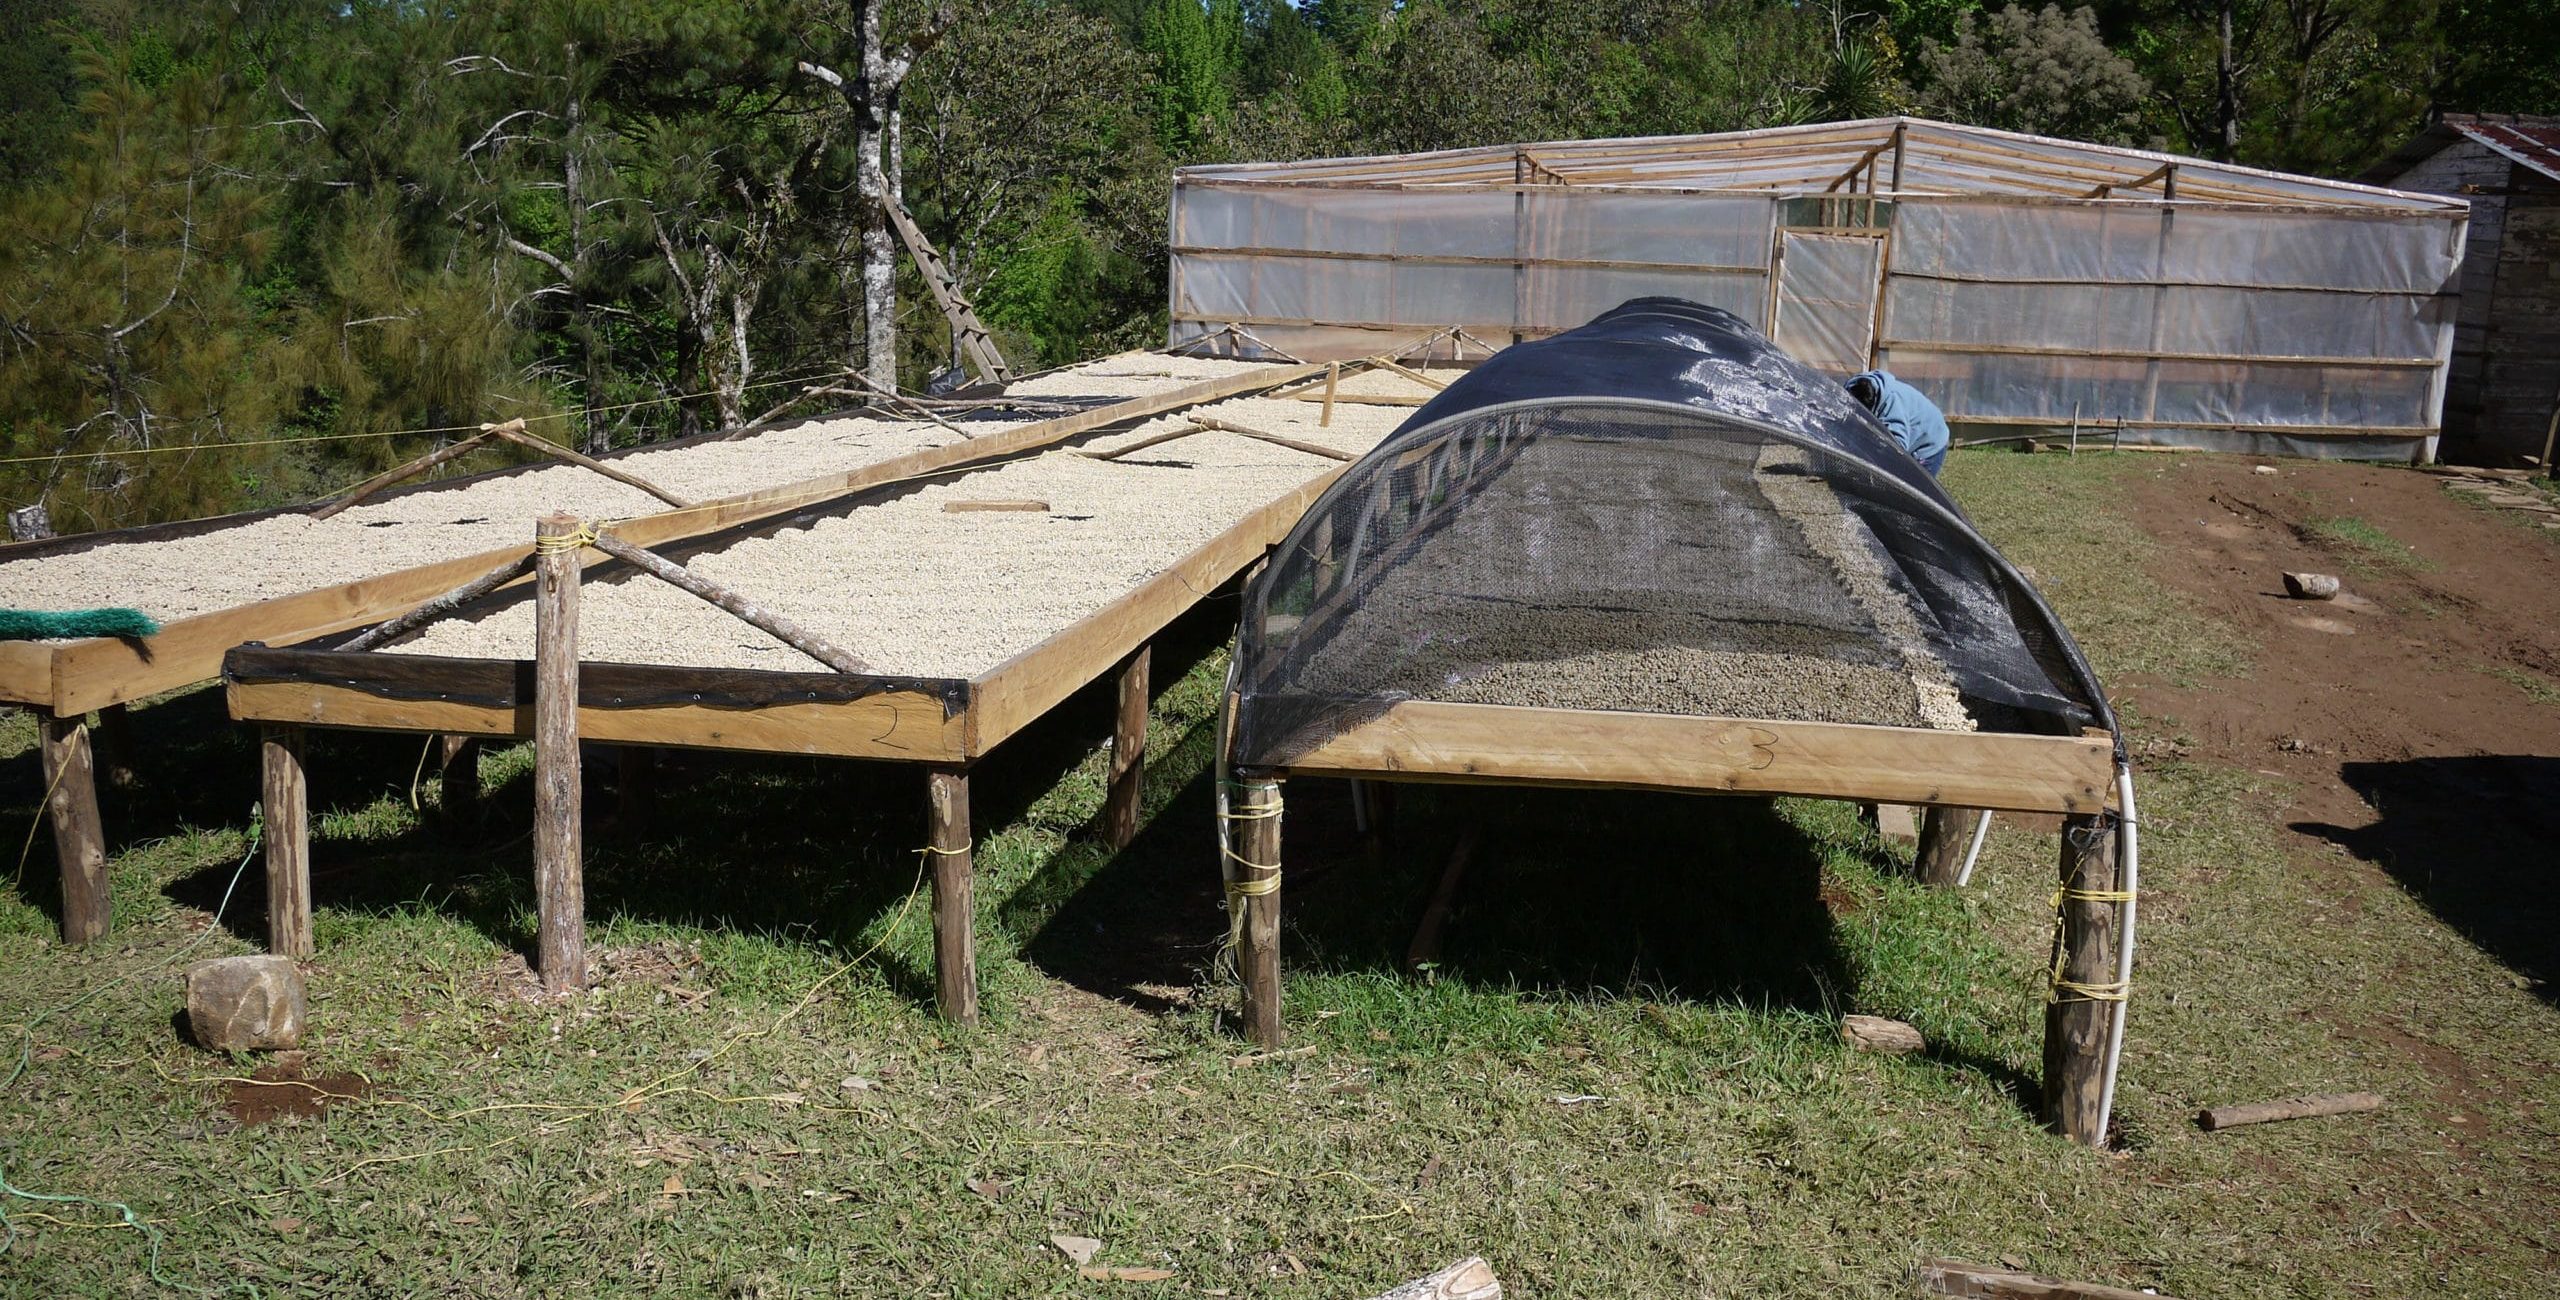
(115, 746)
(955, 951)
(2083, 1002)
(635, 789)
(458, 782)
(559, 873)
(284, 806)
(1128, 754)
(1256, 807)
(79, 836)
(1946, 834)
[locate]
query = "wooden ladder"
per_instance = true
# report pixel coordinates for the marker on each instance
(976, 345)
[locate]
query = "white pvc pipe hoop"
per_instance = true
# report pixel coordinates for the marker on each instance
(2130, 855)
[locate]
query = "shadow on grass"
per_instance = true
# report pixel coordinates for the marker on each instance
(2471, 837)
(1570, 894)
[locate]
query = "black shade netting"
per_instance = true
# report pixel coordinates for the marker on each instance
(1658, 512)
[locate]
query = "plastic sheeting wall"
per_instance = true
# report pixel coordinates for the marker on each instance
(1334, 273)
(2164, 315)
(2323, 331)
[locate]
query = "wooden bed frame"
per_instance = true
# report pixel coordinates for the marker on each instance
(942, 724)
(63, 682)
(1947, 772)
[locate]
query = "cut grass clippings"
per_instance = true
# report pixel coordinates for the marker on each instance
(1622, 1076)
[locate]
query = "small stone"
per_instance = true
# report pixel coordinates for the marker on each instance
(1878, 1034)
(2311, 586)
(245, 1004)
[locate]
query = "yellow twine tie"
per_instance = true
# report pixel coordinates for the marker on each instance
(562, 543)
(961, 851)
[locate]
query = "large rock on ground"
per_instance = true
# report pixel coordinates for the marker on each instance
(240, 1004)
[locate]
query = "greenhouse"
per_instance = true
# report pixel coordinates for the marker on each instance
(2028, 285)
(1655, 552)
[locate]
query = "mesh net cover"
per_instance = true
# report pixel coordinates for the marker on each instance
(1658, 512)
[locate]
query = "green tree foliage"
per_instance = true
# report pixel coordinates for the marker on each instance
(2045, 71)
(304, 224)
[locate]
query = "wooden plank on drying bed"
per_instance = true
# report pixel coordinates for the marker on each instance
(26, 673)
(1424, 740)
(105, 670)
(833, 714)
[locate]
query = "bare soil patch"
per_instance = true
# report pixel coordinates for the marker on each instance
(2417, 716)
(283, 1092)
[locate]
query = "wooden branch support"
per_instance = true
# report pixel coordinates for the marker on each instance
(1426, 937)
(79, 835)
(1412, 374)
(1254, 887)
(2213, 1119)
(2083, 1001)
(114, 746)
(1949, 1277)
(993, 507)
(391, 629)
(1332, 381)
(513, 431)
(1946, 834)
(898, 399)
(1127, 789)
(421, 465)
(284, 805)
(1153, 439)
(1468, 1279)
(1362, 399)
(559, 872)
(1276, 440)
(955, 950)
(458, 782)
(778, 626)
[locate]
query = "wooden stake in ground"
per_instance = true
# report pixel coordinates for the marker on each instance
(1946, 834)
(1128, 753)
(559, 872)
(284, 805)
(2216, 1118)
(1426, 936)
(458, 782)
(2085, 993)
(1332, 380)
(955, 950)
(776, 625)
(79, 836)
(114, 748)
(1253, 885)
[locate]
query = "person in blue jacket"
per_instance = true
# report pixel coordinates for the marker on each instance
(1913, 420)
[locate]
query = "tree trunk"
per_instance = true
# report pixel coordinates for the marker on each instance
(2226, 106)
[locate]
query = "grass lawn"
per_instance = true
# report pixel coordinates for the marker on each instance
(1622, 1077)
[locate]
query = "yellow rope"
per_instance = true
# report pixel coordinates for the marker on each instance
(960, 852)
(563, 543)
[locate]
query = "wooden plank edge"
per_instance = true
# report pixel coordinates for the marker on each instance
(1948, 1277)
(1622, 750)
(371, 691)
(98, 671)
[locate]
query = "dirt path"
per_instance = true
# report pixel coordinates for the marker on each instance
(2418, 717)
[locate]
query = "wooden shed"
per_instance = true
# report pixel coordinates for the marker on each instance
(2504, 388)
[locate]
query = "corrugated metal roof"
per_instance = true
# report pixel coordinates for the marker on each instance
(2532, 141)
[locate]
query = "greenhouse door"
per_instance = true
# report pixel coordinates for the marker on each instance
(1824, 313)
